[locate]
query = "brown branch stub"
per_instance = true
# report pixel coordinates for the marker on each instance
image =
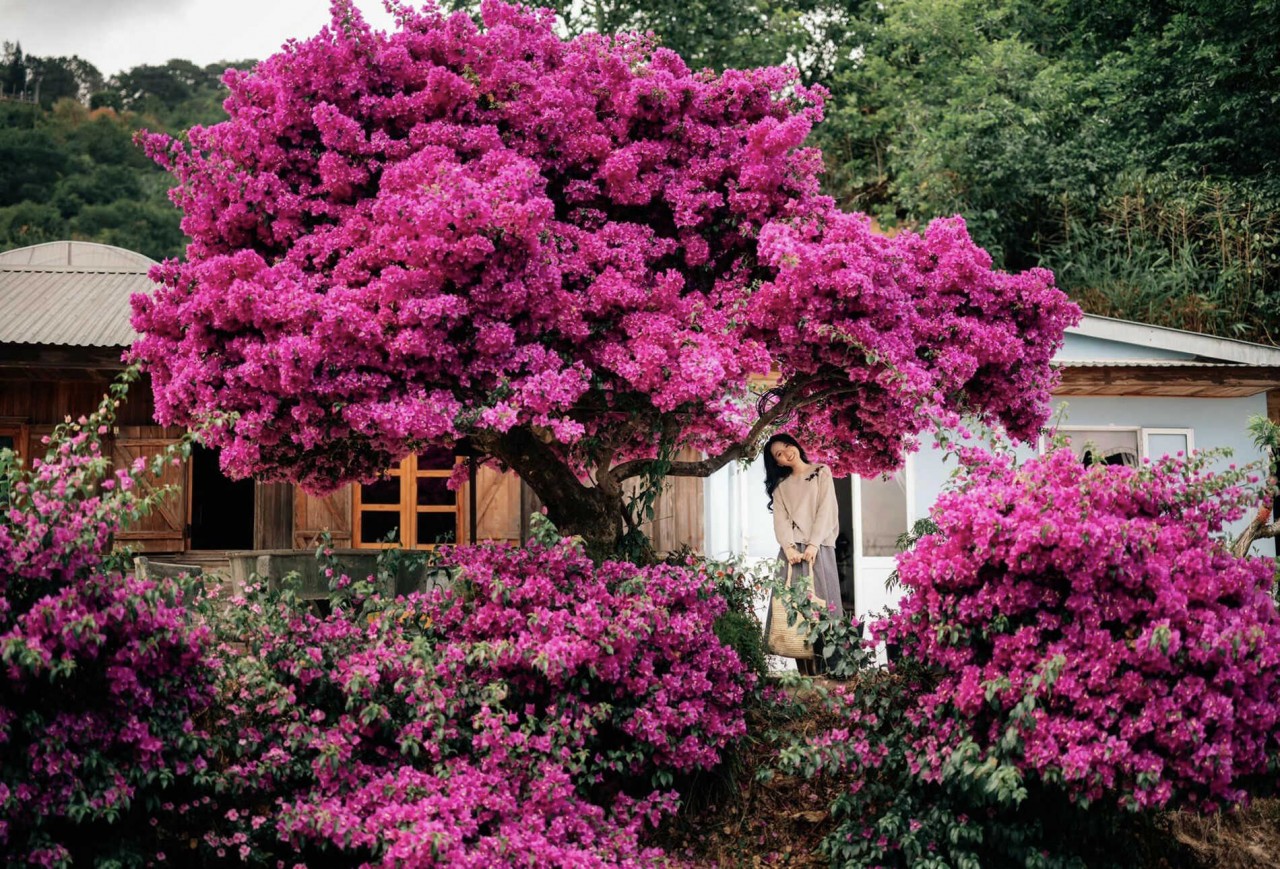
(1258, 529)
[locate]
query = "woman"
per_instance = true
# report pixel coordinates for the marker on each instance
(802, 497)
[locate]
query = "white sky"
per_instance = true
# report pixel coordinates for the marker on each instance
(115, 35)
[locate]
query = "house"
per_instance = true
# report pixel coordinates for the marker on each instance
(1128, 391)
(64, 328)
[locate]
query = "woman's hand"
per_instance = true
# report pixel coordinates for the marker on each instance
(810, 553)
(793, 555)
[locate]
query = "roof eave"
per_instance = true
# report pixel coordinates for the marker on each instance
(1163, 338)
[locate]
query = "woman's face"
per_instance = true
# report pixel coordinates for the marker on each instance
(785, 454)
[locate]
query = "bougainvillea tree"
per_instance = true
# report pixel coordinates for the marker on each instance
(573, 254)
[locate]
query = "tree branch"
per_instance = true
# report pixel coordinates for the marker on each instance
(1258, 529)
(791, 400)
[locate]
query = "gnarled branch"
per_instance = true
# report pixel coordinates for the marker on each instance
(792, 399)
(1259, 529)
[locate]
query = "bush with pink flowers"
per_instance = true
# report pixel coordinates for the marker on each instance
(1080, 648)
(103, 676)
(542, 705)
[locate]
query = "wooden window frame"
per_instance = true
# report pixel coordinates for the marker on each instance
(409, 472)
(20, 432)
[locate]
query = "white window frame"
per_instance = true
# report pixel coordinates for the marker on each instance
(1143, 432)
(1188, 433)
(908, 482)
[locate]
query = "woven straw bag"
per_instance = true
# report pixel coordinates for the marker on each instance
(789, 640)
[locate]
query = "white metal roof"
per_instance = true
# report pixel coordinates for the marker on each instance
(70, 293)
(1205, 347)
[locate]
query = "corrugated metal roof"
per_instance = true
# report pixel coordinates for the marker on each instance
(1145, 363)
(1162, 338)
(68, 306)
(76, 254)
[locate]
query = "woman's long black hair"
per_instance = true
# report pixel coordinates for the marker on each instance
(774, 473)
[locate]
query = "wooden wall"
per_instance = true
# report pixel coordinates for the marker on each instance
(503, 505)
(284, 515)
(39, 405)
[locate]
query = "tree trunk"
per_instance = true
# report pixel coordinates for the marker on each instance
(592, 512)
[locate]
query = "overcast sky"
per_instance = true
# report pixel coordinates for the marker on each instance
(115, 35)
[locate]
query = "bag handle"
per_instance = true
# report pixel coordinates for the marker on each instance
(790, 575)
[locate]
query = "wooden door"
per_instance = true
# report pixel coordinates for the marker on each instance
(316, 514)
(497, 506)
(165, 528)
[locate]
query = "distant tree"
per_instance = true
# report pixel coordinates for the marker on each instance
(106, 99)
(53, 78)
(13, 69)
(107, 138)
(30, 223)
(142, 226)
(31, 162)
(152, 87)
(98, 185)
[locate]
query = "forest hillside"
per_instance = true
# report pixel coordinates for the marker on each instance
(1131, 146)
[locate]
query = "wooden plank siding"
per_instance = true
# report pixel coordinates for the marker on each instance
(503, 506)
(678, 512)
(497, 506)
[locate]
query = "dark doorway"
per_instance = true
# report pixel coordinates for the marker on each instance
(221, 508)
(844, 542)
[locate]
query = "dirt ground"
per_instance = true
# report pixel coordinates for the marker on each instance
(779, 823)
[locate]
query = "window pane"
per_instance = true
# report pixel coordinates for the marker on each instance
(434, 492)
(8, 442)
(435, 459)
(1104, 447)
(383, 491)
(1161, 445)
(375, 525)
(884, 514)
(437, 528)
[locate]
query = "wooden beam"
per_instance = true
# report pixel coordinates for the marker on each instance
(1198, 381)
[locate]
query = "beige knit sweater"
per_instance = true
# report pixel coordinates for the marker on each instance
(804, 509)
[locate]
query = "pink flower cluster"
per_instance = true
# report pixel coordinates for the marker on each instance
(1094, 617)
(540, 706)
(452, 229)
(900, 334)
(102, 676)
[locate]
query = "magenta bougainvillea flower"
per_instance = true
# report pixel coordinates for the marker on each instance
(1106, 594)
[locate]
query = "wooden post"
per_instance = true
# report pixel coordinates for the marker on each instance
(529, 503)
(272, 515)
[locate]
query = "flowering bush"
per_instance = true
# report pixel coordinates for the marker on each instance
(1093, 618)
(573, 253)
(1079, 647)
(102, 675)
(542, 706)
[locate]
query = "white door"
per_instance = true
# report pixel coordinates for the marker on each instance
(882, 507)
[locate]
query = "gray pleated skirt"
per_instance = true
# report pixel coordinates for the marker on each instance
(826, 580)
